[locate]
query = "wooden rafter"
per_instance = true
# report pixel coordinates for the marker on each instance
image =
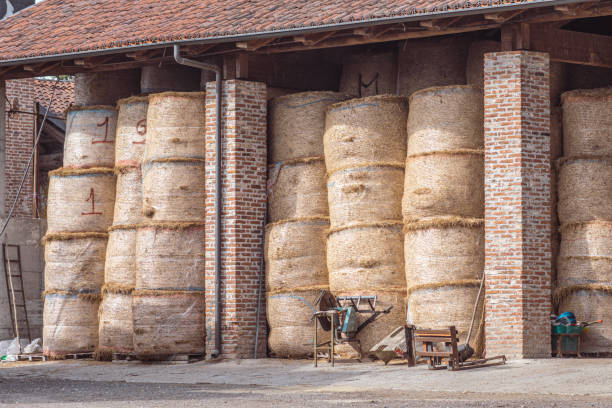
(551, 15)
(255, 44)
(440, 24)
(313, 39)
(339, 41)
(503, 17)
(572, 47)
(142, 55)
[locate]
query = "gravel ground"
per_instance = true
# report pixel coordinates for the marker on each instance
(269, 382)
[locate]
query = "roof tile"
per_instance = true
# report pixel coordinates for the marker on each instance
(66, 26)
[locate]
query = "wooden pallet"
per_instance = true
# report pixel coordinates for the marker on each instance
(179, 359)
(79, 356)
(31, 357)
(597, 354)
(122, 357)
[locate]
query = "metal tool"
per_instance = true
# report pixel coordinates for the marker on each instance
(341, 315)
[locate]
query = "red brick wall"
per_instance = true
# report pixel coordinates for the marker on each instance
(517, 204)
(244, 207)
(20, 132)
(19, 139)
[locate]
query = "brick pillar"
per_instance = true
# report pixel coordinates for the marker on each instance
(517, 204)
(3, 125)
(244, 207)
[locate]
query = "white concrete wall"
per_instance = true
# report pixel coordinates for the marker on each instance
(27, 233)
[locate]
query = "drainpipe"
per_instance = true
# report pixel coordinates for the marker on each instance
(218, 158)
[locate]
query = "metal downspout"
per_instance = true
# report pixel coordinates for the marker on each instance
(218, 185)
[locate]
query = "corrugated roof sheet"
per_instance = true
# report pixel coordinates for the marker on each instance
(69, 26)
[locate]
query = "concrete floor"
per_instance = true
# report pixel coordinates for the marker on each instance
(272, 382)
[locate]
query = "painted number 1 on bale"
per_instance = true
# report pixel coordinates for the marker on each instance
(105, 140)
(92, 198)
(141, 129)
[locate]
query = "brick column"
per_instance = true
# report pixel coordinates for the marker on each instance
(3, 116)
(244, 207)
(517, 204)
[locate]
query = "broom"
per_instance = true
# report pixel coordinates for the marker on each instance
(466, 351)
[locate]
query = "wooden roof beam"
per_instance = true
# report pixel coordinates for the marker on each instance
(313, 39)
(255, 44)
(572, 47)
(587, 11)
(340, 41)
(503, 17)
(440, 24)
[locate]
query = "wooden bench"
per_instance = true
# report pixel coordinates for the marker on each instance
(449, 358)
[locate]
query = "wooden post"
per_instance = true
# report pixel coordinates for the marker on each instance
(35, 213)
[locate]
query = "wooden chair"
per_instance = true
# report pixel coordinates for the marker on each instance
(449, 358)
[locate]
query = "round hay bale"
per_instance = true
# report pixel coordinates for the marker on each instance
(291, 328)
(368, 74)
(106, 87)
(120, 265)
(176, 125)
(128, 196)
(475, 63)
(75, 261)
(366, 257)
(380, 328)
(300, 191)
(131, 130)
(365, 195)
(295, 254)
(174, 77)
(556, 133)
(587, 122)
(441, 307)
(417, 57)
(174, 190)
(90, 137)
(444, 184)
(116, 326)
(80, 200)
(585, 255)
(70, 324)
(273, 92)
(297, 123)
(170, 256)
(556, 151)
(445, 118)
(168, 322)
(363, 131)
(591, 305)
(581, 201)
(443, 250)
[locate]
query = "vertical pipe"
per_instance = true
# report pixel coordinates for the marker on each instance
(218, 210)
(35, 166)
(218, 186)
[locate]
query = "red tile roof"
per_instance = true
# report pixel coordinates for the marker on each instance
(64, 94)
(58, 27)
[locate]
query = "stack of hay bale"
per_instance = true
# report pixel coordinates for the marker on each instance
(416, 57)
(298, 215)
(443, 206)
(585, 212)
(369, 74)
(168, 299)
(80, 210)
(105, 87)
(365, 149)
(115, 316)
